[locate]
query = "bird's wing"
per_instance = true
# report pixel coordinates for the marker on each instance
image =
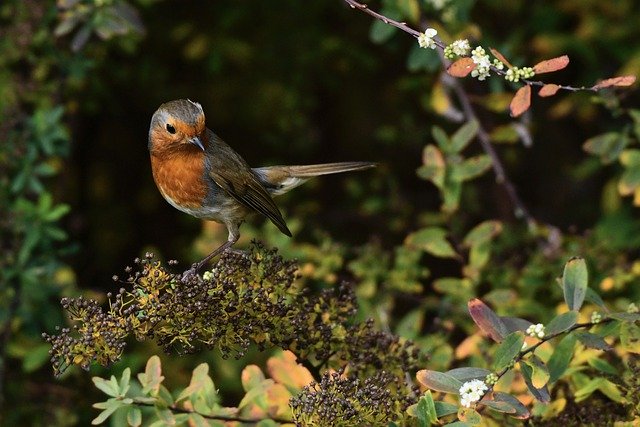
(235, 177)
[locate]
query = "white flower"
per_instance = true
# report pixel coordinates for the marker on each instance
(482, 61)
(461, 47)
(425, 40)
(472, 391)
(536, 330)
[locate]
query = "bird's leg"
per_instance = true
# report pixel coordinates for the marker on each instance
(233, 238)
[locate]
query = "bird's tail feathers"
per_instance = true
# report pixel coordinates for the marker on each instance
(280, 179)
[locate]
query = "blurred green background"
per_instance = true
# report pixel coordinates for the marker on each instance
(286, 82)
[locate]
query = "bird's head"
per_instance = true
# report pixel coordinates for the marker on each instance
(176, 125)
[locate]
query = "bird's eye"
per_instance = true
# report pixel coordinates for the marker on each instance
(171, 129)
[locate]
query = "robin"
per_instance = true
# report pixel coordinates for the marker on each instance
(198, 173)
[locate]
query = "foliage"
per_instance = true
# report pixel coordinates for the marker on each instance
(266, 399)
(503, 229)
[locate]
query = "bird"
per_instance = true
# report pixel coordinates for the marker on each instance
(198, 173)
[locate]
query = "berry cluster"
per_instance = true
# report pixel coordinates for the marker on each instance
(245, 299)
(346, 400)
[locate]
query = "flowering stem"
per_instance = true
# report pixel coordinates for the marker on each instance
(483, 136)
(531, 349)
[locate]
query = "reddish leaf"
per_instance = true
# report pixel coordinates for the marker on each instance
(461, 68)
(500, 57)
(521, 101)
(284, 369)
(616, 81)
(549, 90)
(551, 65)
(487, 320)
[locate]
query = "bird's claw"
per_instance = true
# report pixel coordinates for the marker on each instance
(188, 274)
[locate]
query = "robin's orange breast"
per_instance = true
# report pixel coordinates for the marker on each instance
(180, 177)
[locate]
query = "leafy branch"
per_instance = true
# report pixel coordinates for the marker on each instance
(476, 385)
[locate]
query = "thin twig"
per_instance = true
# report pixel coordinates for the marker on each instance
(531, 349)
(229, 418)
(520, 209)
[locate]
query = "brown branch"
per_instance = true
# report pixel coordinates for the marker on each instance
(531, 349)
(177, 409)
(520, 210)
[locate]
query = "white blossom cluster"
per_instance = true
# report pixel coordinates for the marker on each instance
(536, 330)
(457, 48)
(515, 74)
(471, 392)
(482, 61)
(425, 40)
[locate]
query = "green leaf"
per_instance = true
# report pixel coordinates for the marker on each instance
(451, 195)
(540, 375)
(56, 213)
(36, 357)
(124, 381)
(602, 365)
(487, 320)
(561, 323)
(464, 136)
(108, 407)
(107, 387)
(427, 410)
(470, 168)
(441, 137)
(625, 317)
(469, 416)
(603, 385)
(439, 381)
(199, 380)
(433, 241)
(508, 350)
(593, 297)
(134, 417)
(251, 377)
(152, 376)
(592, 340)
(411, 324)
(521, 411)
(433, 166)
(574, 282)
(607, 146)
(482, 233)
(164, 397)
(561, 357)
(542, 394)
(166, 416)
(445, 408)
(467, 374)
(499, 406)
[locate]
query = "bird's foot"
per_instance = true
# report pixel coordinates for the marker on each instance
(239, 252)
(188, 274)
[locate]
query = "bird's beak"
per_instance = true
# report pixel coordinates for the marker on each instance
(196, 141)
